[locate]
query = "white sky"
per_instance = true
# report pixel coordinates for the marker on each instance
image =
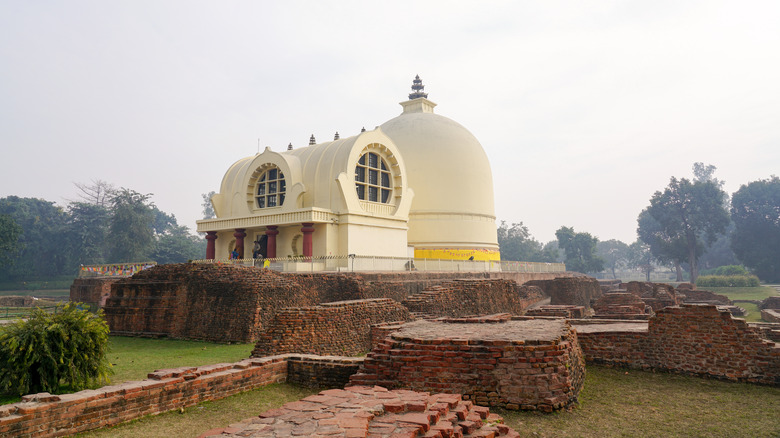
(584, 108)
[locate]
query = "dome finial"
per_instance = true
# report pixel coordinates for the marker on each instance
(312, 140)
(336, 137)
(418, 88)
(289, 147)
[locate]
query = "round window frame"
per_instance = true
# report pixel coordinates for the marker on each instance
(386, 156)
(255, 181)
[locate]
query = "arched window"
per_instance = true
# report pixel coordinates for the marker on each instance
(372, 178)
(270, 189)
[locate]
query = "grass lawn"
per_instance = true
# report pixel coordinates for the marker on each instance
(746, 293)
(58, 293)
(134, 358)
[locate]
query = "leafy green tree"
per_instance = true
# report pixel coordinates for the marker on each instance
(720, 252)
(515, 243)
(664, 249)
(9, 238)
(614, 253)
(208, 208)
(641, 258)
(177, 245)
(755, 210)
(131, 232)
(68, 347)
(43, 240)
(580, 249)
(87, 229)
(690, 214)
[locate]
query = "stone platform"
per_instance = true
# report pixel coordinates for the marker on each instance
(373, 412)
(493, 361)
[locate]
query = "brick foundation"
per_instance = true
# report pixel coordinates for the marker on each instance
(46, 415)
(341, 328)
(561, 311)
(656, 295)
(692, 339)
(575, 291)
(533, 364)
(621, 305)
(473, 297)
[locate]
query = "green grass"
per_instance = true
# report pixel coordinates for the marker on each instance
(745, 293)
(622, 403)
(134, 358)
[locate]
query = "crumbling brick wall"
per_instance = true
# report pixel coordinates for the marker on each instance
(621, 305)
(221, 303)
(576, 291)
(473, 297)
(92, 291)
(694, 339)
(656, 295)
(340, 328)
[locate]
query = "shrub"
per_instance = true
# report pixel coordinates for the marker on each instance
(68, 347)
(731, 270)
(727, 281)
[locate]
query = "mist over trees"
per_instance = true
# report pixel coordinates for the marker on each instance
(755, 210)
(105, 225)
(516, 244)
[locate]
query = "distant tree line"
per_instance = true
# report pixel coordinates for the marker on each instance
(692, 225)
(39, 239)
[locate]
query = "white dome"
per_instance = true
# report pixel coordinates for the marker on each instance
(450, 174)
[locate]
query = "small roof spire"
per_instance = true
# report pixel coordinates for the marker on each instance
(336, 137)
(312, 140)
(363, 130)
(417, 87)
(289, 147)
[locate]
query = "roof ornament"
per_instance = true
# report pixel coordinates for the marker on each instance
(336, 137)
(418, 88)
(363, 130)
(289, 147)
(312, 140)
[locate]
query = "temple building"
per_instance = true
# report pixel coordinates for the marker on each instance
(419, 185)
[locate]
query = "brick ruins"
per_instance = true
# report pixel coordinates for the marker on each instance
(340, 328)
(695, 339)
(577, 291)
(372, 412)
(473, 297)
(535, 364)
(230, 303)
(515, 362)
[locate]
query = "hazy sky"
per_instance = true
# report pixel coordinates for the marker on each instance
(584, 108)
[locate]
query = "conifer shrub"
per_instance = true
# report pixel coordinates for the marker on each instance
(68, 347)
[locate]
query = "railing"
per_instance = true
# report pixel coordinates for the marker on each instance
(114, 269)
(393, 264)
(14, 313)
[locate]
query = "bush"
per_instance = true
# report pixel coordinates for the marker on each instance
(68, 347)
(727, 281)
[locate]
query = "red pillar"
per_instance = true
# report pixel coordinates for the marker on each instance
(211, 248)
(271, 231)
(239, 235)
(307, 230)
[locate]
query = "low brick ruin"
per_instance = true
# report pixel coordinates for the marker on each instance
(693, 339)
(621, 305)
(534, 364)
(375, 412)
(576, 291)
(656, 295)
(473, 297)
(560, 310)
(92, 291)
(341, 328)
